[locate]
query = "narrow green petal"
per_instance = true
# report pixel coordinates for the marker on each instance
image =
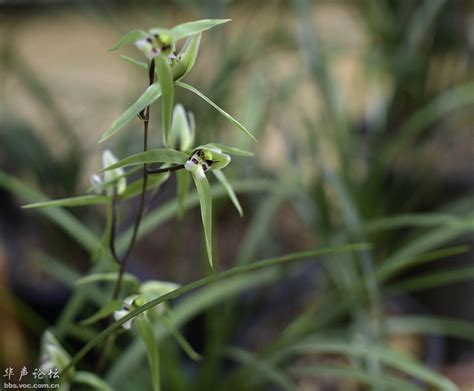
(205, 200)
(185, 29)
(167, 89)
(107, 310)
(187, 57)
(149, 96)
(158, 155)
(130, 37)
(223, 112)
(182, 180)
(147, 334)
(231, 150)
(230, 191)
(71, 202)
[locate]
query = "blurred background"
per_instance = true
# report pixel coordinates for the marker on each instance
(363, 112)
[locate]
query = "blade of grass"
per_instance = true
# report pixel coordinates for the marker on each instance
(391, 358)
(209, 280)
(431, 325)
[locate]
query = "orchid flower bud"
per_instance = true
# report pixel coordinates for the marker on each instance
(153, 289)
(182, 128)
(130, 303)
(114, 179)
(53, 355)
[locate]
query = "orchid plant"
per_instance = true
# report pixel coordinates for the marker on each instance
(178, 155)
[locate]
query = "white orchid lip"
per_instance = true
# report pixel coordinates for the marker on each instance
(199, 162)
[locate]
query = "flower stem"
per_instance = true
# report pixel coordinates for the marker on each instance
(141, 208)
(108, 342)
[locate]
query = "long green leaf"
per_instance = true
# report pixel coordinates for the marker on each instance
(149, 96)
(185, 29)
(431, 325)
(224, 113)
(159, 155)
(433, 280)
(230, 191)
(70, 202)
(281, 260)
(130, 37)
(205, 200)
(62, 218)
(389, 357)
(167, 90)
(423, 243)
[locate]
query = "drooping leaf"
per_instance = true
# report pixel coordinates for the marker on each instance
(130, 37)
(205, 200)
(185, 29)
(71, 202)
(152, 93)
(230, 191)
(107, 310)
(167, 90)
(158, 155)
(223, 112)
